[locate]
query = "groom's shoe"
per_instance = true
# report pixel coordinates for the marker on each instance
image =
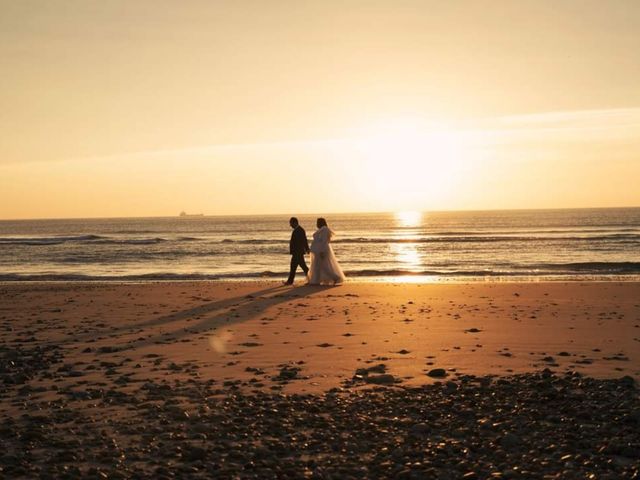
(287, 283)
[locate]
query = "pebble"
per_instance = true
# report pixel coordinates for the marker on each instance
(510, 440)
(382, 379)
(518, 426)
(288, 373)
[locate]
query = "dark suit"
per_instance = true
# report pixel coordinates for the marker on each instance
(298, 246)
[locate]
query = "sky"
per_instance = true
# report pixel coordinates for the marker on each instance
(119, 108)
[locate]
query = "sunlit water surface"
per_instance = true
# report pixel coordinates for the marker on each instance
(406, 246)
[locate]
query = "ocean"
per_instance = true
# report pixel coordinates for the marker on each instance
(576, 244)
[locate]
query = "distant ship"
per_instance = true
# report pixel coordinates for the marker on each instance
(185, 214)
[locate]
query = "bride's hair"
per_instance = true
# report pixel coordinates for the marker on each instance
(321, 222)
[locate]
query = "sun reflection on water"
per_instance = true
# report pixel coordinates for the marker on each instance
(407, 256)
(405, 252)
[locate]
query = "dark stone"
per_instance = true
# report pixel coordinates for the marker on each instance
(382, 379)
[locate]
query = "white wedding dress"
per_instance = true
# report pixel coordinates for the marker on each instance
(324, 269)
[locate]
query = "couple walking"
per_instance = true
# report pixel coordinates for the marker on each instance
(325, 269)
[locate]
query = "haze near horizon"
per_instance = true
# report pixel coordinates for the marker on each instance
(144, 108)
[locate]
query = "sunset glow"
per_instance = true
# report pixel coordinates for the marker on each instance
(414, 165)
(216, 108)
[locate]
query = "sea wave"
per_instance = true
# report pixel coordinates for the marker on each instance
(447, 238)
(537, 231)
(159, 276)
(53, 240)
(566, 270)
(489, 239)
(585, 267)
(129, 241)
(443, 237)
(255, 241)
(601, 268)
(88, 239)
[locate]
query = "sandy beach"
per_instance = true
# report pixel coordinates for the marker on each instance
(218, 330)
(109, 360)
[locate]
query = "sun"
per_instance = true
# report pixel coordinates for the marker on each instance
(416, 165)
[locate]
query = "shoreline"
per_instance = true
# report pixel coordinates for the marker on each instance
(364, 280)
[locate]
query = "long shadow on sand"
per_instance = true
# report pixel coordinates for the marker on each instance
(224, 312)
(200, 310)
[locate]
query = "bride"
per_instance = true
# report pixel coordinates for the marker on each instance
(324, 265)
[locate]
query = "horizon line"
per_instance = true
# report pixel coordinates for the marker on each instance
(317, 213)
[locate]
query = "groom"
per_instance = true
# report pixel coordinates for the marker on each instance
(298, 246)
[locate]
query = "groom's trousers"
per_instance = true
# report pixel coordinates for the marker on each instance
(297, 259)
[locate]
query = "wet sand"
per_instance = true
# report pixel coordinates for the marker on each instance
(84, 357)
